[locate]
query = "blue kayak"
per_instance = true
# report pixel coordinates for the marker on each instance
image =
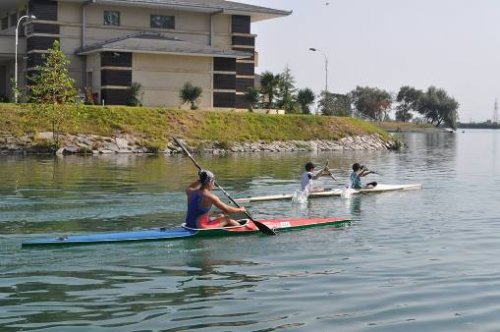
(162, 233)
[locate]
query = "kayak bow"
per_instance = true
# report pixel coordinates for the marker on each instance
(161, 233)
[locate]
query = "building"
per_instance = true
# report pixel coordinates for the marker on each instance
(160, 44)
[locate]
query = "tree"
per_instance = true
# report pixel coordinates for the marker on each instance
(53, 90)
(374, 103)
(305, 97)
(335, 104)
(408, 99)
(190, 94)
(439, 108)
(286, 91)
(252, 96)
(269, 87)
(135, 94)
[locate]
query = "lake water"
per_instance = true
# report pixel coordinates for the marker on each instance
(421, 260)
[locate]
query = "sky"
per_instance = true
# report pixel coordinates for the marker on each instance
(450, 44)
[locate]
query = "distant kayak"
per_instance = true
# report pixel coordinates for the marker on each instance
(333, 192)
(155, 234)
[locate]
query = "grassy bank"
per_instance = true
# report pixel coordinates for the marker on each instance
(156, 125)
(396, 126)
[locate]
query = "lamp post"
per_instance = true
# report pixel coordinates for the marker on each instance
(326, 66)
(15, 56)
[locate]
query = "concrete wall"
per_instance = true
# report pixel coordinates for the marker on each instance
(162, 77)
(193, 27)
(93, 71)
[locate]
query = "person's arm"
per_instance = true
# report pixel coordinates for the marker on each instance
(193, 186)
(224, 207)
(323, 172)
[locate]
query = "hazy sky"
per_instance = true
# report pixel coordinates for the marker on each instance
(451, 44)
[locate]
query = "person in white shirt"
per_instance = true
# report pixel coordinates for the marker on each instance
(306, 182)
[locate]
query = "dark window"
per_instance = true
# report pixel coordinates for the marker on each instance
(245, 69)
(222, 81)
(116, 77)
(116, 59)
(224, 99)
(111, 17)
(245, 41)
(225, 64)
(13, 19)
(44, 9)
(240, 24)
(5, 23)
(162, 22)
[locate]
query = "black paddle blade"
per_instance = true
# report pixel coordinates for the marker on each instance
(263, 228)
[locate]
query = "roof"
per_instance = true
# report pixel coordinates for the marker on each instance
(257, 13)
(153, 42)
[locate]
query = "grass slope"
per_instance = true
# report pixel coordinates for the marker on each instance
(156, 125)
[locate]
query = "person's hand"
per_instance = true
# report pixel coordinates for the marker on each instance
(243, 209)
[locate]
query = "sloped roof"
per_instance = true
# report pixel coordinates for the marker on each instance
(152, 42)
(209, 6)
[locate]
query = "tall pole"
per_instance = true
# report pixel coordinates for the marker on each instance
(326, 66)
(15, 52)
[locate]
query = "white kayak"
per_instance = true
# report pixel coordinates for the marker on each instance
(333, 192)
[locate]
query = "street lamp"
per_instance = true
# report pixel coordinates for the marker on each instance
(31, 16)
(326, 66)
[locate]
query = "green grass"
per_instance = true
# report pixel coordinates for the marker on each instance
(155, 126)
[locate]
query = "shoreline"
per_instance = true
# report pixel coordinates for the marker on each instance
(122, 144)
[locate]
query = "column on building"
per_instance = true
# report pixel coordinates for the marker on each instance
(40, 34)
(116, 77)
(244, 41)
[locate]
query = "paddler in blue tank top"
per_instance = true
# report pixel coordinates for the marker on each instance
(357, 173)
(200, 201)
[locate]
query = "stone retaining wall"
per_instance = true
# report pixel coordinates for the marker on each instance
(79, 144)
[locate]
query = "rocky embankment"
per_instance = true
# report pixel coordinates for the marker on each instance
(93, 144)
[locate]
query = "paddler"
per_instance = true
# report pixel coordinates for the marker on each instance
(357, 173)
(306, 182)
(200, 200)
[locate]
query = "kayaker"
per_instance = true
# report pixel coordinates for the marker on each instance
(200, 201)
(306, 182)
(357, 173)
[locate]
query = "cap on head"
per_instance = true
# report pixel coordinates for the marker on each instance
(310, 166)
(356, 167)
(206, 177)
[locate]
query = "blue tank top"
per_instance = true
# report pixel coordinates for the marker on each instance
(355, 181)
(195, 212)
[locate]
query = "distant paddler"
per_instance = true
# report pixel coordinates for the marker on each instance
(201, 199)
(359, 171)
(308, 177)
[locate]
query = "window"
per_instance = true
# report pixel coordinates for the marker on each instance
(5, 22)
(162, 22)
(111, 17)
(13, 19)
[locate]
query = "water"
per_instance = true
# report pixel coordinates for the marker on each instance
(424, 260)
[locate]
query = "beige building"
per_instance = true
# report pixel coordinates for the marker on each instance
(160, 44)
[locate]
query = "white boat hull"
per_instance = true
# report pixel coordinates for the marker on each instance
(335, 192)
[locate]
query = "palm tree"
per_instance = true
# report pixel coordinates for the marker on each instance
(252, 96)
(269, 85)
(305, 98)
(190, 94)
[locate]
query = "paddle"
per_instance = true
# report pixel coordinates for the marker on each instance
(263, 228)
(328, 171)
(370, 171)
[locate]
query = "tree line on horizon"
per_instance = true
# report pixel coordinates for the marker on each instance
(278, 91)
